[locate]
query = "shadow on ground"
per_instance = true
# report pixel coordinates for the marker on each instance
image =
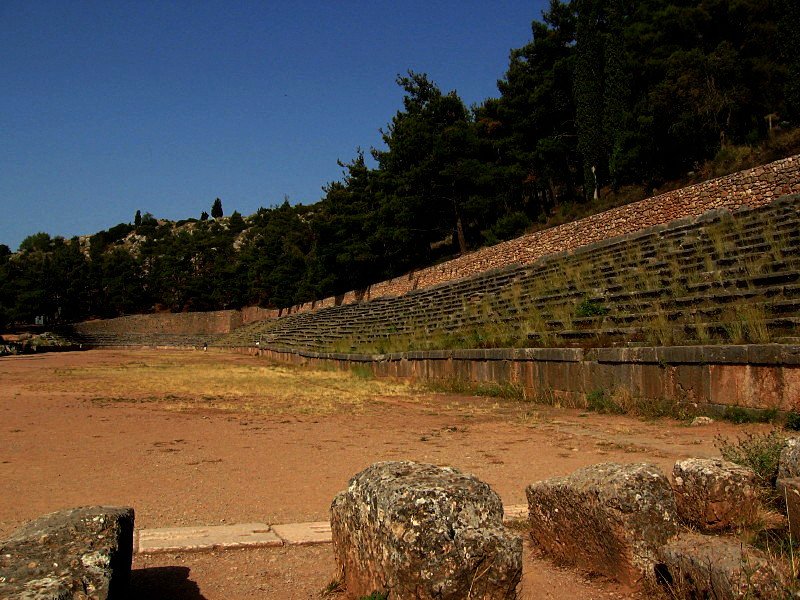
(164, 583)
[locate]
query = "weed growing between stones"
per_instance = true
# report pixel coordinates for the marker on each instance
(590, 308)
(598, 401)
(793, 421)
(620, 400)
(770, 533)
(454, 385)
(740, 416)
(334, 587)
(362, 371)
(758, 451)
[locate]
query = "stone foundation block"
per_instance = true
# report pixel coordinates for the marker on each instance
(714, 494)
(423, 532)
(789, 460)
(77, 554)
(789, 488)
(719, 568)
(608, 518)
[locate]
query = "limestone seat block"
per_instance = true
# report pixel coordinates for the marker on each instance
(419, 531)
(715, 494)
(73, 554)
(608, 518)
(719, 568)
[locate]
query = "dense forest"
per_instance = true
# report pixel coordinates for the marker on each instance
(607, 94)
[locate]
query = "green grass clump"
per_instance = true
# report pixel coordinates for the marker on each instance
(362, 371)
(793, 421)
(758, 451)
(454, 385)
(590, 308)
(598, 401)
(740, 416)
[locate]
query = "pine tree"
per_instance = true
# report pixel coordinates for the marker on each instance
(137, 220)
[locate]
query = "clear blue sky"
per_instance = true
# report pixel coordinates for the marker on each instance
(108, 107)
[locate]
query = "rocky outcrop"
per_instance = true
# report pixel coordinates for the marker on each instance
(423, 532)
(608, 518)
(76, 554)
(714, 494)
(718, 568)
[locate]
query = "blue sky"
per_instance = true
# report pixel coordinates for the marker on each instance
(109, 107)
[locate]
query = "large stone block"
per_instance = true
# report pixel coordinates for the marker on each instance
(789, 459)
(75, 554)
(423, 532)
(789, 488)
(719, 568)
(608, 518)
(714, 494)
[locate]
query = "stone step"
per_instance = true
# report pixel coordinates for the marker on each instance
(251, 535)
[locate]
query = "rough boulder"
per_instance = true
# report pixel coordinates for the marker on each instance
(76, 554)
(719, 568)
(714, 494)
(423, 532)
(789, 461)
(607, 518)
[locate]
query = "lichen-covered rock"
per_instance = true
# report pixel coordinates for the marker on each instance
(789, 460)
(714, 494)
(76, 554)
(423, 532)
(719, 568)
(608, 518)
(789, 489)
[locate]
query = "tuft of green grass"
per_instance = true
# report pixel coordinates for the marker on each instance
(362, 371)
(758, 451)
(590, 308)
(740, 416)
(793, 421)
(334, 587)
(454, 385)
(598, 401)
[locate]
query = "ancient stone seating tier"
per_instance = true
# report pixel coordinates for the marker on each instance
(719, 278)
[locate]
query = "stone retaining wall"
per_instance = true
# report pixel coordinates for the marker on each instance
(712, 377)
(221, 321)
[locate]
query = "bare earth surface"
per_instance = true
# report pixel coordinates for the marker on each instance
(193, 438)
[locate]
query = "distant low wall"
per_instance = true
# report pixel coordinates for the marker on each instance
(190, 323)
(711, 377)
(753, 187)
(220, 321)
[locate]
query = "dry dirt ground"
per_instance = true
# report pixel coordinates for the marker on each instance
(193, 438)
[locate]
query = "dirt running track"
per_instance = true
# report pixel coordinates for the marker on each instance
(61, 446)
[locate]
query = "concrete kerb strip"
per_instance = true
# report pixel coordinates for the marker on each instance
(250, 535)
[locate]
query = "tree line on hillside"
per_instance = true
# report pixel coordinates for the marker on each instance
(607, 93)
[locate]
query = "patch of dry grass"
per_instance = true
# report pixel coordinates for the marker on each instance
(188, 381)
